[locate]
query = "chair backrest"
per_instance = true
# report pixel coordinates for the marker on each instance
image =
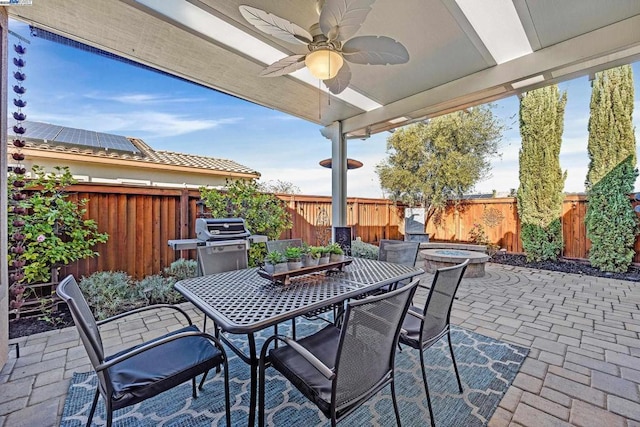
(437, 309)
(70, 292)
(282, 245)
(214, 259)
(399, 252)
(368, 341)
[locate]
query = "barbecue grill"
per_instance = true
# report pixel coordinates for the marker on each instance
(222, 244)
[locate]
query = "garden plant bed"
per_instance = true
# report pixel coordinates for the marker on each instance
(566, 266)
(33, 325)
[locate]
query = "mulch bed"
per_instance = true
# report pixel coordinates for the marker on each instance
(33, 325)
(566, 266)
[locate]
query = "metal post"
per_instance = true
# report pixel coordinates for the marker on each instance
(338, 177)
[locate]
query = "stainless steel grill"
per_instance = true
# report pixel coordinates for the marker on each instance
(222, 244)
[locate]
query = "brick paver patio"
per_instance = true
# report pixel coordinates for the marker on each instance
(583, 368)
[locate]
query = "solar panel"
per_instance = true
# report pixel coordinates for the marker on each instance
(82, 137)
(116, 142)
(43, 131)
(77, 137)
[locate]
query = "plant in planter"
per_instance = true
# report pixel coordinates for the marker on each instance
(275, 262)
(336, 252)
(313, 256)
(325, 253)
(294, 257)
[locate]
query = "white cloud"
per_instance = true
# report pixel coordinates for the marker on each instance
(139, 124)
(138, 98)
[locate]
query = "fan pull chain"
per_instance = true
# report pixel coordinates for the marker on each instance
(319, 101)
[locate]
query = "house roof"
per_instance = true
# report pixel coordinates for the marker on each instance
(143, 154)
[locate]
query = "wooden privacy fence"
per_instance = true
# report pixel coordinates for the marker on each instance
(140, 221)
(499, 217)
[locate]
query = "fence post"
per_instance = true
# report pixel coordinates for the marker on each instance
(184, 219)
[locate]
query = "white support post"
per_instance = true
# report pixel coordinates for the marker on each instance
(338, 175)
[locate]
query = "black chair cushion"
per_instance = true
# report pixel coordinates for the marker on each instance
(324, 345)
(161, 368)
(432, 329)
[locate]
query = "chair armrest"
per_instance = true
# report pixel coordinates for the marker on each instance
(142, 309)
(309, 357)
(125, 356)
(327, 372)
(414, 314)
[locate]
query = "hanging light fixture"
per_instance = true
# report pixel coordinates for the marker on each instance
(324, 63)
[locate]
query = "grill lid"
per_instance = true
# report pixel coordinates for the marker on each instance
(209, 229)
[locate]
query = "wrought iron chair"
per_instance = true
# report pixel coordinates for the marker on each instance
(399, 252)
(339, 369)
(423, 327)
(146, 370)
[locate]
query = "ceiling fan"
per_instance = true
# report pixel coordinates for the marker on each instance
(330, 42)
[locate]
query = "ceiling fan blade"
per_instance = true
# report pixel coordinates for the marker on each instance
(375, 51)
(284, 66)
(275, 26)
(341, 19)
(340, 82)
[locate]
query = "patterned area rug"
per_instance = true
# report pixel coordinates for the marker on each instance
(487, 368)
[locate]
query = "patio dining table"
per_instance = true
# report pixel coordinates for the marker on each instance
(243, 302)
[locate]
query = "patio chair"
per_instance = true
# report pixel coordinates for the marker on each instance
(148, 369)
(211, 260)
(282, 245)
(339, 369)
(424, 327)
(399, 252)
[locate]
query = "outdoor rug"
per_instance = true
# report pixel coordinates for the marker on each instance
(487, 368)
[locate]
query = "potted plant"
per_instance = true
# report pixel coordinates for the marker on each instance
(294, 257)
(336, 252)
(313, 256)
(325, 253)
(275, 262)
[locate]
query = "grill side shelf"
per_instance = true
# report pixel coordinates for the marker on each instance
(284, 278)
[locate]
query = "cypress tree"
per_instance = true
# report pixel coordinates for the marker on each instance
(540, 194)
(611, 222)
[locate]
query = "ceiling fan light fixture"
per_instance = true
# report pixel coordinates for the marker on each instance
(324, 63)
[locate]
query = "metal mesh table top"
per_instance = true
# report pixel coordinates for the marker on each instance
(241, 301)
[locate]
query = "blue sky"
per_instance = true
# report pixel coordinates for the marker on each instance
(69, 87)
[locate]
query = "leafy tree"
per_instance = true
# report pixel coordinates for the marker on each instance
(279, 187)
(540, 195)
(610, 220)
(55, 230)
(263, 213)
(431, 163)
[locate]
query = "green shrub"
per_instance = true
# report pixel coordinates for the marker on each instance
(265, 214)
(478, 235)
(181, 269)
(361, 249)
(110, 292)
(542, 243)
(612, 224)
(55, 230)
(159, 290)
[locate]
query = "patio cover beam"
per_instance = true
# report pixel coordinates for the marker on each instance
(607, 47)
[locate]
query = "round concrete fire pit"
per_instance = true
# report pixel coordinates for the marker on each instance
(438, 258)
